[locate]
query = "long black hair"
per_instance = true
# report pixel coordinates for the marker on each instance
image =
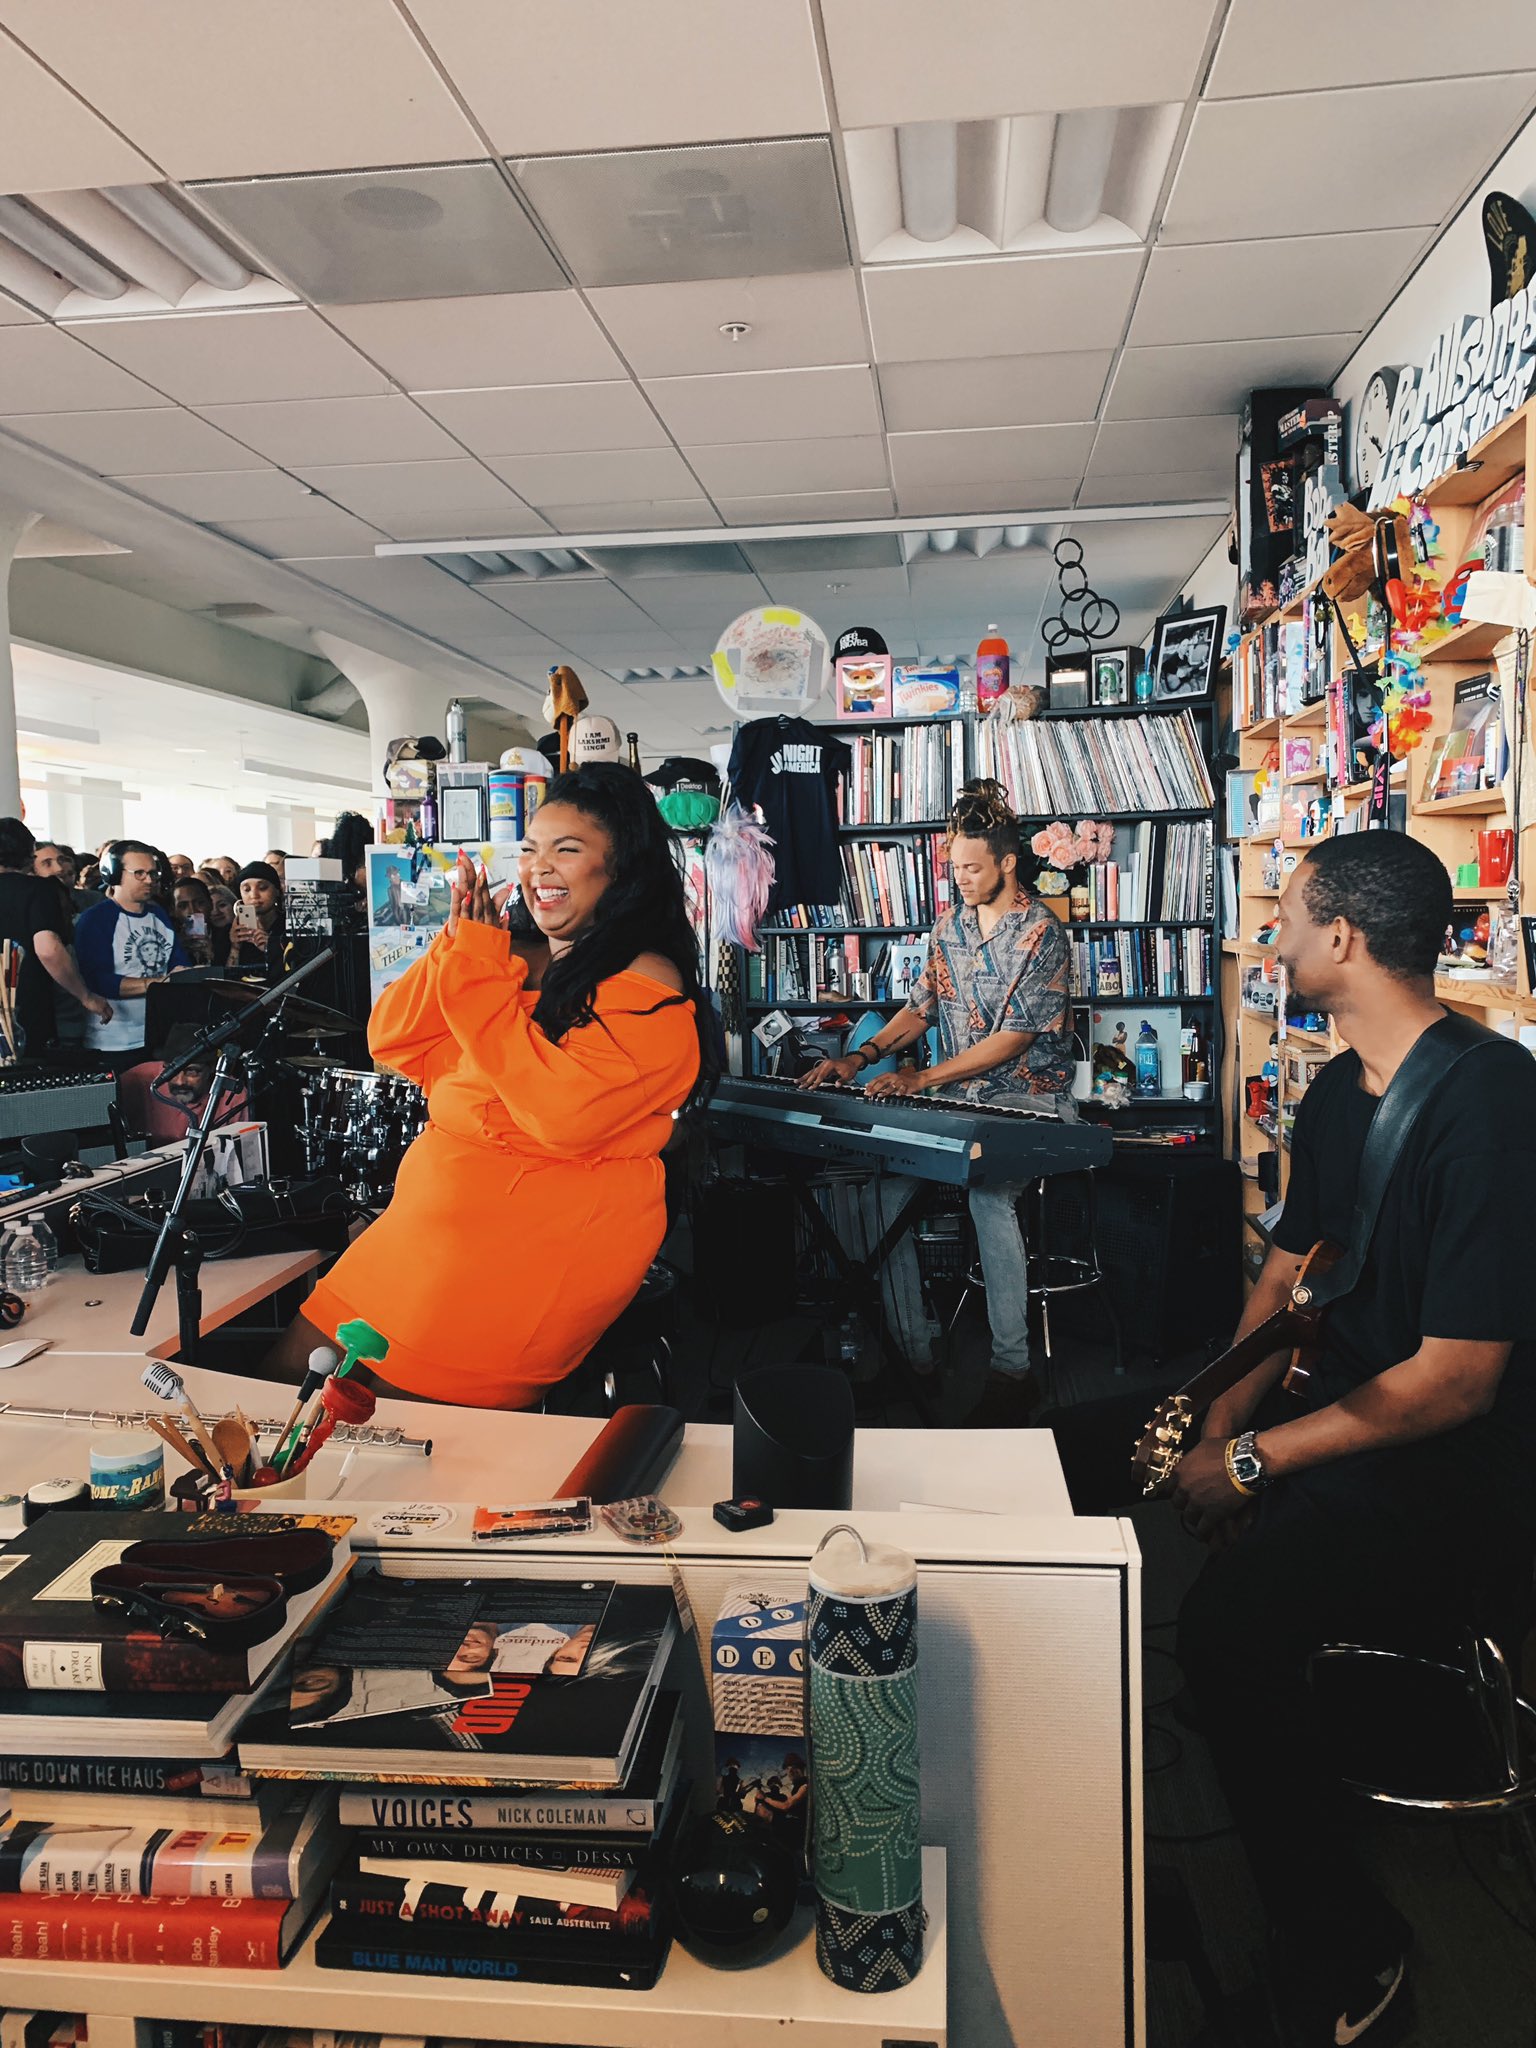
(643, 910)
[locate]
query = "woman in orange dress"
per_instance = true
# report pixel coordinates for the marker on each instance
(525, 1215)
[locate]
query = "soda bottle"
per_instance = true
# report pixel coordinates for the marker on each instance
(991, 669)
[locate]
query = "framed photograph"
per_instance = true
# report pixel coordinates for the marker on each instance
(461, 813)
(1185, 654)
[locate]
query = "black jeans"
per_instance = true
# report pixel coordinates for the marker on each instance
(1386, 1549)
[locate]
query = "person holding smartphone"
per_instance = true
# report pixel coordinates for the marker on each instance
(258, 925)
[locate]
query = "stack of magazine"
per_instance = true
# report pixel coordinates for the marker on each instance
(509, 1765)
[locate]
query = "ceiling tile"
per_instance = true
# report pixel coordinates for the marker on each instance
(144, 441)
(1200, 377)
(797, 508)
(760, 405)
(265, 85)
(1000, 306)
(43, 369)
(875, 593)
(1247, 291)
(402, 585)
(219, 358)
(673, 330)
(547, 419)
(1373, 157)
(762, 468)
(689, 604)
(674, 514)
(1369, 42)
(1146, 447)
(1167, 487)
(904, 60)
(430, 231)
(737, 209)
(557, 606)
(224, 494)
(987, 455)
(386, 429)
(614, 473)
(603, 74)
(14, 314)
(462, 344)
(1120, 549)
(994, 391)
(386, 492)
(1048, 493)
(326, 532)
(49, 140)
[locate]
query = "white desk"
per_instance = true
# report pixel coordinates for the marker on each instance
(83, 1311)
(480, 1453)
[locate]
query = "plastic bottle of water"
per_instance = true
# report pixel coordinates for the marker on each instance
(38, 1225)
(26, 1265)
(7, 1239)
(1149, 1066)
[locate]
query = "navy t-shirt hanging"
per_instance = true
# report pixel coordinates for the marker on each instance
(790, 769)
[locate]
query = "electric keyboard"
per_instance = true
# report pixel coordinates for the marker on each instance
(931, 1137)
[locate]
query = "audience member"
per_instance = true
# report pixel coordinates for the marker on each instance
(204, 943)
(223, 917)
(34, 917)
(259, 916)
(277, 860)
(165, 1116)
(350, 838)
(227, 866)
(123, 946)
(181, 865)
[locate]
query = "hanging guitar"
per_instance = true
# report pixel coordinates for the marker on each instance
(1296, 1328)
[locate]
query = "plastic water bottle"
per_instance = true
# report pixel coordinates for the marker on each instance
(26, 1266)
(1149, 1068)
(457, 732)
(38, 1225)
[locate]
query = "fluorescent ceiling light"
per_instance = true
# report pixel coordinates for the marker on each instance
(50, 246)
(152, 209)
(45, 728)
(1080, 159)
(927, 158)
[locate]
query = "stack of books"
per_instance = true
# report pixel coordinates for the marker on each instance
(128, 1833)
(509, 1765)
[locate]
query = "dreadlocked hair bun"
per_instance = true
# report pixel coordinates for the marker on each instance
(981, 807)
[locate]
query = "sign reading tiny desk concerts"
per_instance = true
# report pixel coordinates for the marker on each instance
(1478, 372)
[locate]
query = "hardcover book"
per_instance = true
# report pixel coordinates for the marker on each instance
(198, 1934)
(532, 1680)
(271, 1859)
(52, 1638)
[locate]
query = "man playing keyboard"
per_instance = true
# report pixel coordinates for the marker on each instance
(996, 987)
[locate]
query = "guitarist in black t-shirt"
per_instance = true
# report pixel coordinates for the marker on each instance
(1398, 1490)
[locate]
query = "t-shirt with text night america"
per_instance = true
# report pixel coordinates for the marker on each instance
(790, 769)
(1450, 1258)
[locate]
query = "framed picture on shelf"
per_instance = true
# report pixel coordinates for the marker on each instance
(1185, 654)
(461, 813)
(1067, 681)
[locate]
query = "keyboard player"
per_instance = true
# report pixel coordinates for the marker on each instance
(996, 987)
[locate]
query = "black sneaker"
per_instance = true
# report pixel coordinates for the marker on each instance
(1361, 2006)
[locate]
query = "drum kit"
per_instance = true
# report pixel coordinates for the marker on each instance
(348, 1122)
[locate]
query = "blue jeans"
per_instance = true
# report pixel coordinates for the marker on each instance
(1000, 1242)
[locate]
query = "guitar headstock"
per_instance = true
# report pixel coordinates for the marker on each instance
(1161, 1445)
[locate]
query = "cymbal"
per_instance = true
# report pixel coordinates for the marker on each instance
(300, 1016)
(315, 1062)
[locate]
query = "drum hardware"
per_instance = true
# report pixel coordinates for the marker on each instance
(357, 1125)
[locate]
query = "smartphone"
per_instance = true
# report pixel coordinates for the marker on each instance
(245, 917)
(196, 926)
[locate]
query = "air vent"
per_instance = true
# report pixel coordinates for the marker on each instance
(941, 542)
(127, 249)
(1083, 179)
(515, 565)
(432, 231)
(653, 216)
(662, 674)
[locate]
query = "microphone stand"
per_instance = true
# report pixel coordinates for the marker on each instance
(175, 1243)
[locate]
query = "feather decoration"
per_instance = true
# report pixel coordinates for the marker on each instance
(738, 865)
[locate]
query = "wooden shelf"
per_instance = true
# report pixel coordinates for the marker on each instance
(1261, 729)
(1473, 801)
(1479, 895)
(1486, 467)
(1309, 840)
(1309, 714)
(1312, 775)
(1312, 1038)
(1481, 995)
(1473, 642)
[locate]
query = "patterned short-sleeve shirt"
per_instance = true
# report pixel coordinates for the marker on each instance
(1015, 979)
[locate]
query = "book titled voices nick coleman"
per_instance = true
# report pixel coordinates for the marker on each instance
(529, 1681)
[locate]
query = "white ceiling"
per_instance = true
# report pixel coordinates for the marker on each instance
(265, 452)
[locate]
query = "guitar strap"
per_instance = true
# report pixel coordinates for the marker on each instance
(1428, 1065)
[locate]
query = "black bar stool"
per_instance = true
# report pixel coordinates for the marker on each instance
(1060, 1221)
(637, 1343)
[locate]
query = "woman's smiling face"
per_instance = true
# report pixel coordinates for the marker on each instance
(563, 870)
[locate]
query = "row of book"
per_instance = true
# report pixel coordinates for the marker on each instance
(1089, 766)
(895, 882)
(474, 1774)
(818, 967)
(1153, 961)
(905, 777)
(1166, 873)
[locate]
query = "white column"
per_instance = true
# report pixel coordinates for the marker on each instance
(14, 521)
(400, 701)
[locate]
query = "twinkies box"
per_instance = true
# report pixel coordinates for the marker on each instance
(757, 1666)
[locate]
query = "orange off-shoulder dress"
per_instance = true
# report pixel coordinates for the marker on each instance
(526, 1213)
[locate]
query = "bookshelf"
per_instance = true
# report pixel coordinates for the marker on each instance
(1145, 770)
(1299, 703)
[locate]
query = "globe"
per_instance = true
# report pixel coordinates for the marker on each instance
(733, 1890)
